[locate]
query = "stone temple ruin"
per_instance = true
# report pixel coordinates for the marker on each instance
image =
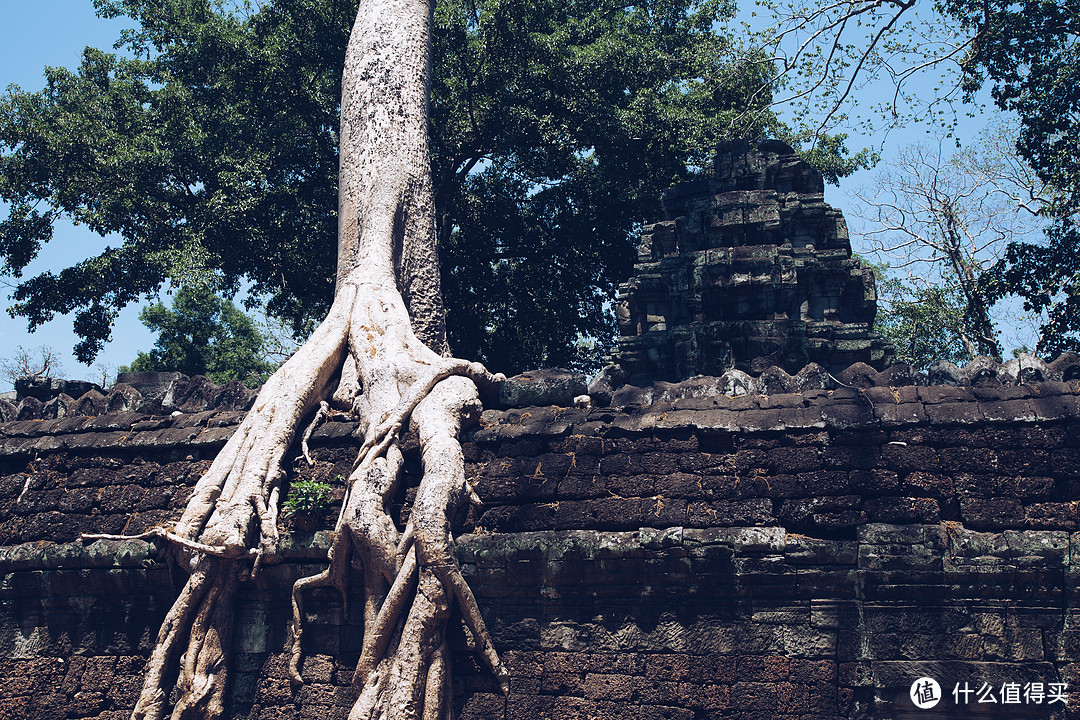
(750, 269)
(772, 523)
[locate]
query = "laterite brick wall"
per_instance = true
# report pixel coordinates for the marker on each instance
(794, 555)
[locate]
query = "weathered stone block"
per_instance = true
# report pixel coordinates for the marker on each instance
(542, 387)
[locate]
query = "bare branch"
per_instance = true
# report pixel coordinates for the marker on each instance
(943, 223)
(821, 55)
(41, 362)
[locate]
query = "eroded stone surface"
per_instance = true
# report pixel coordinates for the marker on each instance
(749, 269)
(694, 554)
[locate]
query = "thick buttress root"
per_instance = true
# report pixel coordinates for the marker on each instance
(228, 528)
(411, 578)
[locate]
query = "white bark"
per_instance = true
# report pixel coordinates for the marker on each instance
(380, 349)
(386, 216)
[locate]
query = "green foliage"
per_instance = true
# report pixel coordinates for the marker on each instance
(555, 128)
(212, 151)
(1028, 53)
(922, 322)
(204, 334)
(830, 156)
(307, 497)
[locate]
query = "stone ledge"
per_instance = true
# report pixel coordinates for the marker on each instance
(696, 404)
(842, 408)
(959, 545)
(134, 553)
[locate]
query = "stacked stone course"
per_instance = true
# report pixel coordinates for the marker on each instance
(143, 392)
(750, 268)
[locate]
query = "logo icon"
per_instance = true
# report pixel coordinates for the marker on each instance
(925, 693)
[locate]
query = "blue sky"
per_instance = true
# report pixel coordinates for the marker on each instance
(33, 35)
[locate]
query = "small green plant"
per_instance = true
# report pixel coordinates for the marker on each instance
(307, 497)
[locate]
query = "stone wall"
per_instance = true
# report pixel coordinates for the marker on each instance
(681, 554)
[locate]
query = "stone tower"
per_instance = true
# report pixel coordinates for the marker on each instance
(749, 269)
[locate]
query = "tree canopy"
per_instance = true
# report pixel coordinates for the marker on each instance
(204, 334)
(1028, 53)
(209, 144)
(826, 55)
(923, 322)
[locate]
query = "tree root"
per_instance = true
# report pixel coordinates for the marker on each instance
(220, 551)
(324, 412)
(201, 685)
(404, 643)
(332, 576)
(202, 616)
(377, 639)
(411, 577)
(152, 701)
(234, 500)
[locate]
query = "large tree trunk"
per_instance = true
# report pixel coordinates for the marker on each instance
(380, 352)
(386, 213)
